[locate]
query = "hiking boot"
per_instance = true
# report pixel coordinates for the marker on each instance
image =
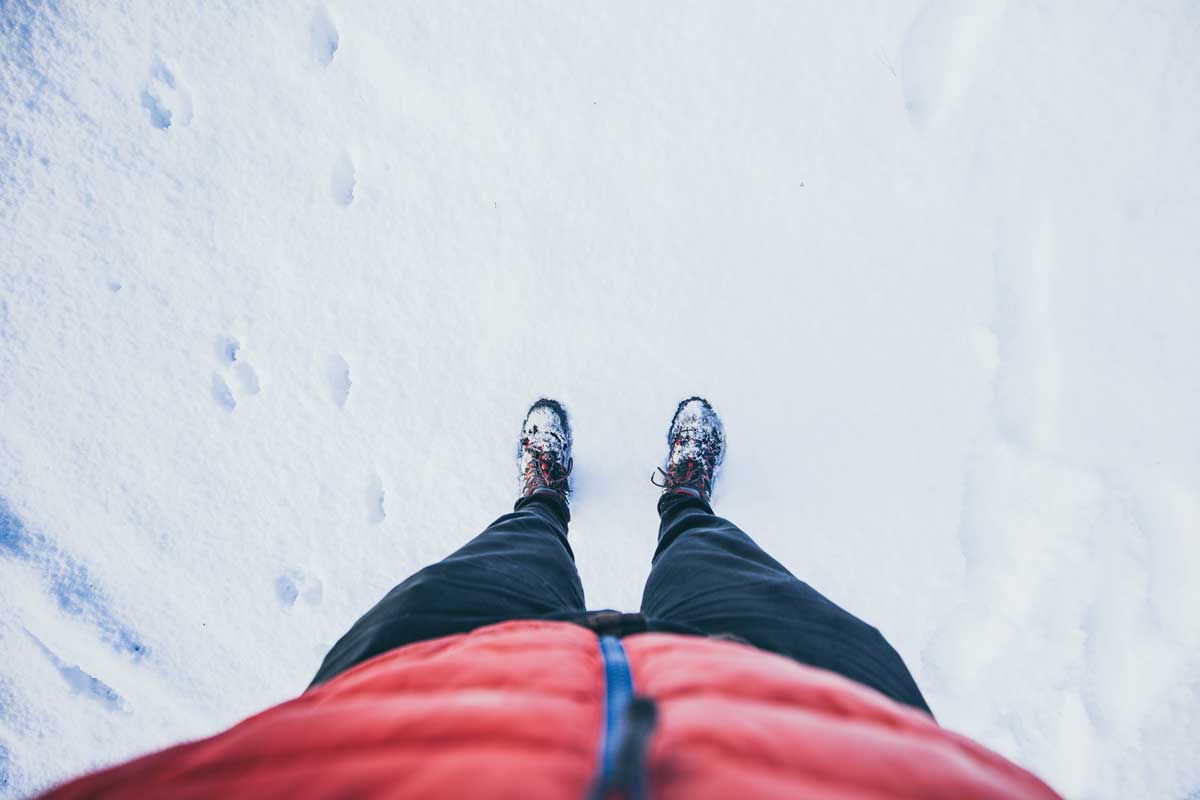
(545, 449)
(697, 442)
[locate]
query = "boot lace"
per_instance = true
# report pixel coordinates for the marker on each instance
(544, 468)
(693, 470)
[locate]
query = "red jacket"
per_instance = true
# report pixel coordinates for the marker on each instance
(543, 710)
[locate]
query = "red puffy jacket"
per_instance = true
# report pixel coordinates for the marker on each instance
(547, 710)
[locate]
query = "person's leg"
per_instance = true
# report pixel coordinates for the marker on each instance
(520, 567)
(709, 575)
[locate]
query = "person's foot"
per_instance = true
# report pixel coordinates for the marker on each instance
(545, 449)
(697, 445)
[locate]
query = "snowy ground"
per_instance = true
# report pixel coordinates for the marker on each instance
(276, 286)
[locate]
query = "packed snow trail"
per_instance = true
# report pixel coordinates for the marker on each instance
(278, 284)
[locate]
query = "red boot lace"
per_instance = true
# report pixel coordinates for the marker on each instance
(544, 470)
(688, 472)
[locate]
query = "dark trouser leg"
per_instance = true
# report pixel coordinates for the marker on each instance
(520, 567)
(709, 575)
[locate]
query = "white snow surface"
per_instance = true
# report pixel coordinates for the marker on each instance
(279, 281)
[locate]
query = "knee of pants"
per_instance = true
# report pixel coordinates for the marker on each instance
(864, 633)
(424, 589)
(875, 638)
(867, 638)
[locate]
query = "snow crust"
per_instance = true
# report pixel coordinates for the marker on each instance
(278, 282)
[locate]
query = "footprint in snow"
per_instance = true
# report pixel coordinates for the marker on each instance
(221, 393)
(168, 104)
(296, 584)
(342, 181)
(228, 351)
(323, 37)
(337, 374)
(374, 496)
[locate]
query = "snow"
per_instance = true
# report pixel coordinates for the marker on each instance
(277, 284)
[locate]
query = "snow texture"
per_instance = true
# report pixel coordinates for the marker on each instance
(935, 263)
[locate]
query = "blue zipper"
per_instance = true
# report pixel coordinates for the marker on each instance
(629, 722)
(618, 694)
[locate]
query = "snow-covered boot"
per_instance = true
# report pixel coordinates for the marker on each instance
(697, 445)
(545, 449)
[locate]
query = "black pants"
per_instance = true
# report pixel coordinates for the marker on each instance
(708, 578)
